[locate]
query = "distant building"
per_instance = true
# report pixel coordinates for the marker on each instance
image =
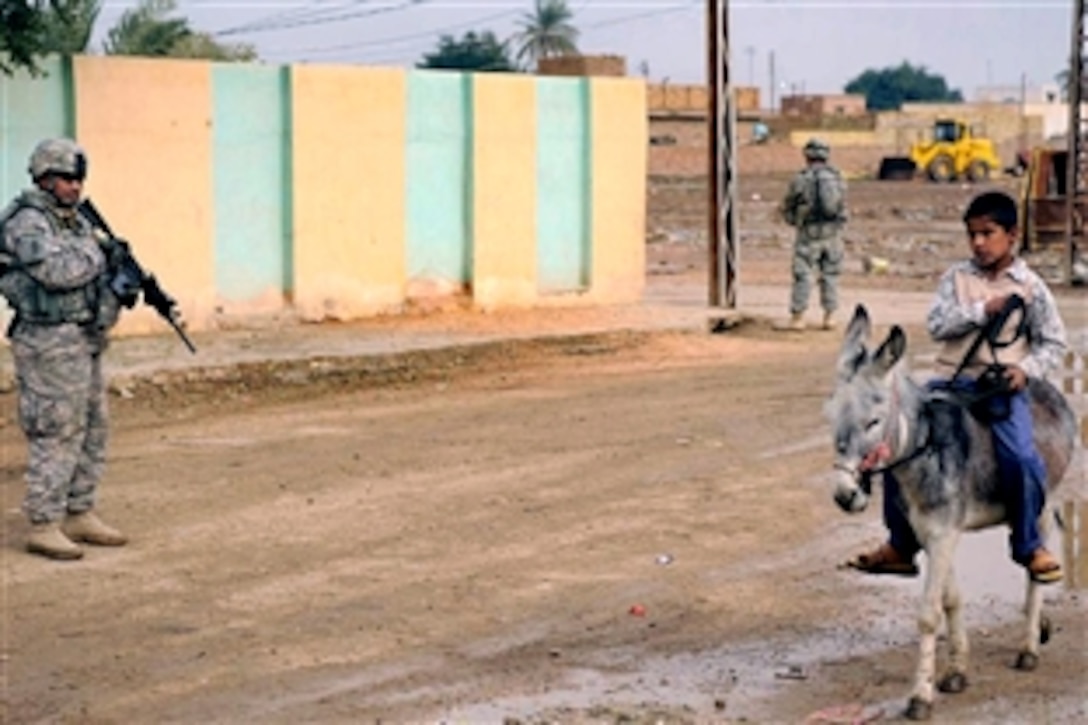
(818, 105)
(1033, 95)
(664, 98)
(582, 65)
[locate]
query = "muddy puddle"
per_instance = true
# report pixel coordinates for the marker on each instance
(745, 681)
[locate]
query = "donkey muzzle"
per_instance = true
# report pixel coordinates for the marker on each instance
(852, 489)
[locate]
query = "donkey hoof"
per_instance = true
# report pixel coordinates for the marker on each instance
(953, 682)
(1027, 661)
(1045, 629)
(918, 709)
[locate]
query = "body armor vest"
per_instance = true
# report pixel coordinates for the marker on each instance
(31, 300)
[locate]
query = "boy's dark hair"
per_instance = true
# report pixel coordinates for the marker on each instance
(997, 206)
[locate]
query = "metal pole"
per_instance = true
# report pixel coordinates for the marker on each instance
(721, 125)
(1074, 186)
(770, 68)
(1023, 112)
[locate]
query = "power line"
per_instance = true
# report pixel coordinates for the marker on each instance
(639, 16)
(294, 11)
(288, 24)
(400, 39)
(436, 32)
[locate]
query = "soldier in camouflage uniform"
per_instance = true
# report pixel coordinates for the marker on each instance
(818, 246)
(55, 275)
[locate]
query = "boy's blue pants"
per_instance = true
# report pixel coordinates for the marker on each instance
(1023, 483)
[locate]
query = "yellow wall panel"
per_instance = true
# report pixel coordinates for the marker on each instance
(146, 127)
(504, 186)
(619, 145)
(348, 196)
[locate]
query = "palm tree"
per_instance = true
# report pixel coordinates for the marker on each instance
(146, 30)
(68, 25)
(546, 32)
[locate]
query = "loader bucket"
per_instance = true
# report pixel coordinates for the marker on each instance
(896, 168)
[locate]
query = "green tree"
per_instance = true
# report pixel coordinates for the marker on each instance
(22, 34)
(202, 45)
(30, 29)
(1064, 80)
(146, 30)
(149, 30)
(890, 88)
(481, 52)
(546, 32)
(68, 25)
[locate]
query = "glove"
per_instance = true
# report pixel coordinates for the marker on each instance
(116, 251)
(125, 275)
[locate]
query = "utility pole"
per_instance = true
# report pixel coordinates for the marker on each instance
(1023, 112)
(1076, 167)
(721, 127)
(773, 87)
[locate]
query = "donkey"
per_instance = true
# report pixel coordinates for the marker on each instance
(943, 459)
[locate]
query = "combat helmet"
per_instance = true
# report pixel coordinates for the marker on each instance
(817, 150)
(58, 156)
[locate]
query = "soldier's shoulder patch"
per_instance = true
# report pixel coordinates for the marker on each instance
(27, 234)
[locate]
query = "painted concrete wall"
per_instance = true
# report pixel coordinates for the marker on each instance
(251, 156)
(146, 127)
(30, 108)
(618, 160)
(336, 192)
(348, 190)
(562, 185)
(504, 190)
(438, 168)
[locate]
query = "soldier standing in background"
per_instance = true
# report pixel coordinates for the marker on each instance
(815, 204)
(55, 275)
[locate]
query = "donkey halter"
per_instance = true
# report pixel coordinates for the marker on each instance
(895, 438)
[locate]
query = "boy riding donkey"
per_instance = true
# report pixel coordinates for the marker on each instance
(971, 294)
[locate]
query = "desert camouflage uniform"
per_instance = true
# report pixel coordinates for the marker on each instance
(55, 281)
(817, 247)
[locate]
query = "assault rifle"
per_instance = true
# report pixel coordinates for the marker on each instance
(130, 278)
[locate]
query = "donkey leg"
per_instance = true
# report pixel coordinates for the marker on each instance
(1037, 626)
(940, 552)
(955, 676)
(1028, 658)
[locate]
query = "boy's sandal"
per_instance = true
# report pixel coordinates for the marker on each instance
(883, 560)
(1044, 568)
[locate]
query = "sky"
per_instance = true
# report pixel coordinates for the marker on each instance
(816, 46)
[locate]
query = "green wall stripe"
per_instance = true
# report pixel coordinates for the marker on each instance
(438, 176)
(251, 172)
(31, 109)
(563, 184)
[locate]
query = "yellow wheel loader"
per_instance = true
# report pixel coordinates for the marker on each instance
(953, 153)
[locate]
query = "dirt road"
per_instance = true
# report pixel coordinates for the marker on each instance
(617, 527)
(429, 550)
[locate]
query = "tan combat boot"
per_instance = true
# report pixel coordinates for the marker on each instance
(796, 323)
(90, 529)
(829, 321)
(48, 540)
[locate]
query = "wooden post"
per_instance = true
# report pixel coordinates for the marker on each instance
(721, 127)
(1075, 161)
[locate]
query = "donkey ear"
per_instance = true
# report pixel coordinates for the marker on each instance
(853, 353)
(858, 329)
(891, 350)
